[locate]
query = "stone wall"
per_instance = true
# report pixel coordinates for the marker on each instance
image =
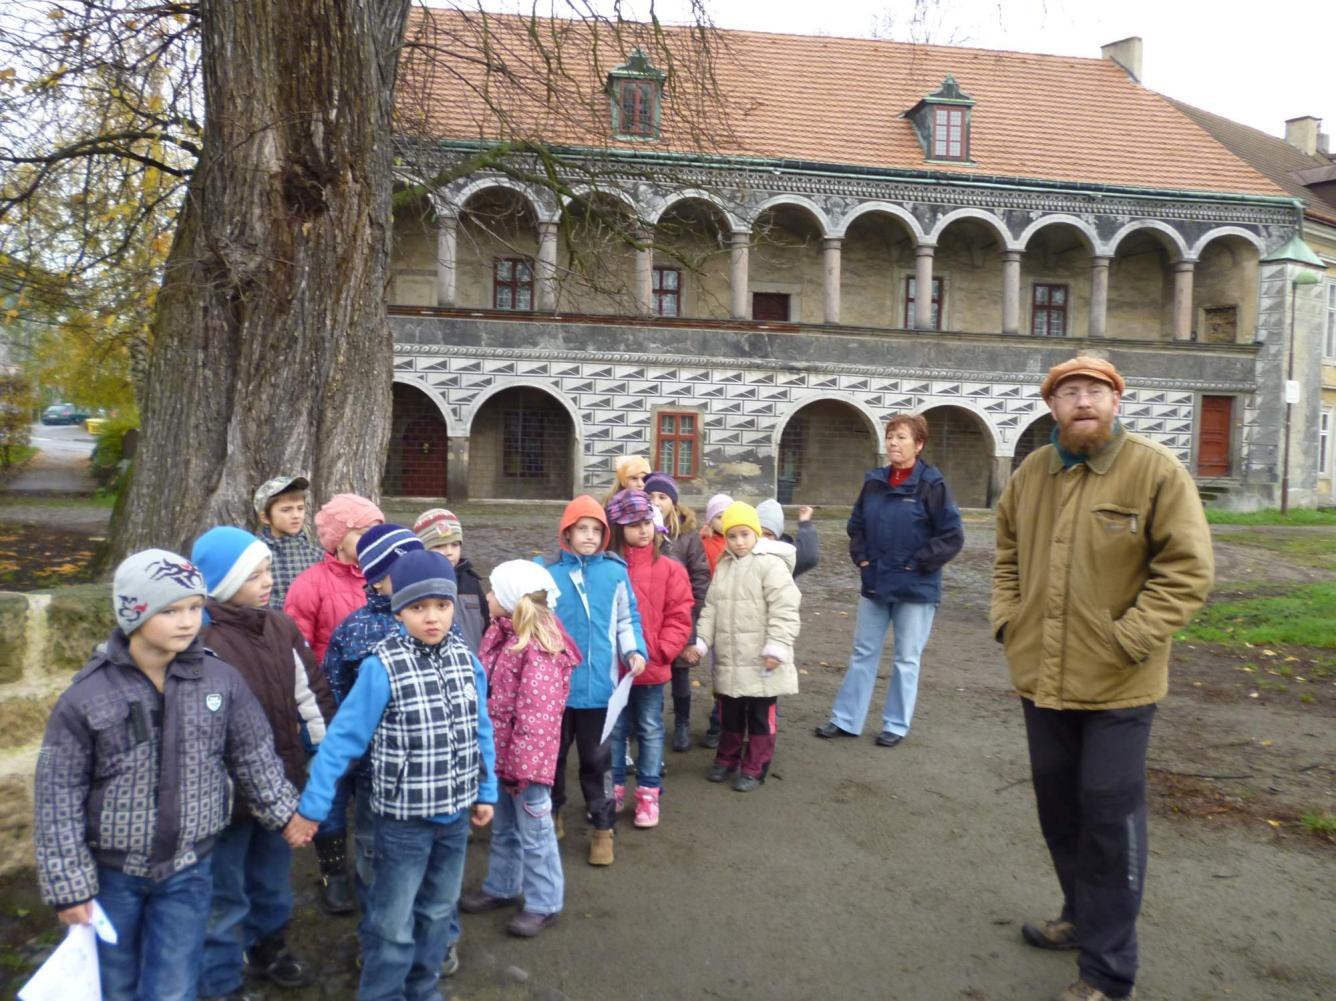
(44, 640)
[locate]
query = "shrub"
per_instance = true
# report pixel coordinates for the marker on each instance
(16, 407)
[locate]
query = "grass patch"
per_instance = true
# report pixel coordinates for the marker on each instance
(1272, 516)
(55, 503)
(1306, 616)
(17, 455)
(1319, 823)
(1308, 549)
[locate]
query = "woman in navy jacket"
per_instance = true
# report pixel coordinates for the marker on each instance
(904, 528)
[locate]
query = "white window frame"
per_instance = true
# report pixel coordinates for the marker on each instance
(1329, 320)
(1324, 436)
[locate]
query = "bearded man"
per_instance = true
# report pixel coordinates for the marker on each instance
(1103, 552)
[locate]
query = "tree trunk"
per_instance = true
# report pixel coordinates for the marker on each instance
(271, 348)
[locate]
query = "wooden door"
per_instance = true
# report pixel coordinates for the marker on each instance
(425, 451)
(1217, 420)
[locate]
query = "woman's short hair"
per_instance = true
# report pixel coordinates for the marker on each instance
(917, 426)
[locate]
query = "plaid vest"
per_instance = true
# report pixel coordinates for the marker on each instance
(425, 760)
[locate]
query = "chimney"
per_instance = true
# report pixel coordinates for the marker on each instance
(1127, 54)
(1303, 134)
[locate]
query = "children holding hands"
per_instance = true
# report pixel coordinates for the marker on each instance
(419, 702)
(529, 658)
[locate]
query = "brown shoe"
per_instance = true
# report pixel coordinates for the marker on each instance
(600, 847)
(1050, 935)
(1082, 991)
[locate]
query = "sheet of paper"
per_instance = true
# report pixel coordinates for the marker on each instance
(616, 704)
(70, 972)
(102, 924)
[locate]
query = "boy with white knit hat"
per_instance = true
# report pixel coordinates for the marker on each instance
(133, 784)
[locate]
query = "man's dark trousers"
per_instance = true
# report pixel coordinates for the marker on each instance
(1089, 771)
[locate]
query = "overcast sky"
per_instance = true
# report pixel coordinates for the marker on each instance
(1256, 63)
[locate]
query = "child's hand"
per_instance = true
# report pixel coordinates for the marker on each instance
(299, 831)
(691, 655)
(771, 663)
(79, 914)
(804, 513)
(636, 663)
(482, 814)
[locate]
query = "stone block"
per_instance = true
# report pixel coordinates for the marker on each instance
(23, 720)
(15, 825)
(78, 619)
(13, 633)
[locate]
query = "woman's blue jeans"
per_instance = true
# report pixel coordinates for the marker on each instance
(912, 621)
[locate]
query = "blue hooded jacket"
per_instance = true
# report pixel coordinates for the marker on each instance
(598, 609)
(906, 534)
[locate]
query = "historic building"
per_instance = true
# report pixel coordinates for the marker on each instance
(880, 227)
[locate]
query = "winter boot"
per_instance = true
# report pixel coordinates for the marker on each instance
(647, 807)
(681, 733)
(336, 893)
(600, 847)
(270, 959)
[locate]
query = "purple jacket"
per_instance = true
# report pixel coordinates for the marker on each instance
(139, 781)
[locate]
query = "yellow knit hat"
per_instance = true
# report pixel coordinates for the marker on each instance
(741, 513)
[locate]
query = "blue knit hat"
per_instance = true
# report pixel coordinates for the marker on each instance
(661, 483)
(421, 575)
(380, 546)
(148, 582)
(227, 556)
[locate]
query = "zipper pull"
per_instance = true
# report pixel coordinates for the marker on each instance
(1134, 524)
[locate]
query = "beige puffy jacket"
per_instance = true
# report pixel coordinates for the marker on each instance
(750, 613)
(1097, 566)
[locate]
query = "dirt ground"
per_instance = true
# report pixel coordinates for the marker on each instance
(862, 872)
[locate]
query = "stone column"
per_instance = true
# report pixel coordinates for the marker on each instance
(644, 272)
(739, 243)
(1099, 296)
(1011, 291)
(830, 252)
(447, 227)
(547, 267)
(1183, 299)
(923, 286)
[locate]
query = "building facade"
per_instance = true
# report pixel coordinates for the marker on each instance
(762, 319)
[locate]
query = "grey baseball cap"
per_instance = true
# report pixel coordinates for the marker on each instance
(270, 489)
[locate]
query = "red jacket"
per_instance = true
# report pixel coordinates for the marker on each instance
(526, 696)
(714, 547)
(664, 600)
(321, 597)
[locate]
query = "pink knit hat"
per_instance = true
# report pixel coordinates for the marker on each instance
(342, 514)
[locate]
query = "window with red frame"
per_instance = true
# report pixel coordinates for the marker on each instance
(667, 298)
(512, 283)
(1048, 314)
(678, 444)
(948, 134)
(938, 287)
(636, 116)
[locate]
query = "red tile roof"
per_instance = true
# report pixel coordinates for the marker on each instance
(812, 98)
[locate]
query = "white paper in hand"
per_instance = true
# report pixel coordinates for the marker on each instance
(70, 972)
(616, 704)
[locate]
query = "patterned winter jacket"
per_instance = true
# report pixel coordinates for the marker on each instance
(139, 781)
(350, 644)
(528, 690)
(292, 555)
(322, 597)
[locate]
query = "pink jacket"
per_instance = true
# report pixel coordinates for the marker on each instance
(526, 696)
(321, 597)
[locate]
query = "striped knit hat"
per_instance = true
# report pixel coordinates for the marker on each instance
(380, 546)
(419, 576)
(437, 527)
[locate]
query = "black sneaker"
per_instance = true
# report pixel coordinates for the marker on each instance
(711, 738)
(746, 783)
(830, 730)
(271, 960)
(336, 894)
(718, 773)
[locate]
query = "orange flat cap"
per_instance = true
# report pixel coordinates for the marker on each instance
(1095, 368)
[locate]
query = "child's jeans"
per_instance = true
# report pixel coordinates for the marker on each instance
(160, 933)
(583, 727)
(405, 929)
(525, 860)
(644, 712)
(252, 900)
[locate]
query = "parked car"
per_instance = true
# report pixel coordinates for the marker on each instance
(63, 413)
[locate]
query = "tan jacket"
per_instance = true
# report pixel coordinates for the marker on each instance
(1097, 566)
(750, 613)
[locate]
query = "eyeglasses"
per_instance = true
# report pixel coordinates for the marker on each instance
(1070, 394)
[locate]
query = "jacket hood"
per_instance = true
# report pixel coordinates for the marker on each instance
(773, 547)
(583, 506)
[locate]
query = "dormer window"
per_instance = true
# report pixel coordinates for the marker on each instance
(635, 93)
(942, 122)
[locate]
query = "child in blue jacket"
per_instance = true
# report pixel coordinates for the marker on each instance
(598, 609)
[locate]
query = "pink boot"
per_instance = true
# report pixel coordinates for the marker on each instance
(647, 807)
(618, 798)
